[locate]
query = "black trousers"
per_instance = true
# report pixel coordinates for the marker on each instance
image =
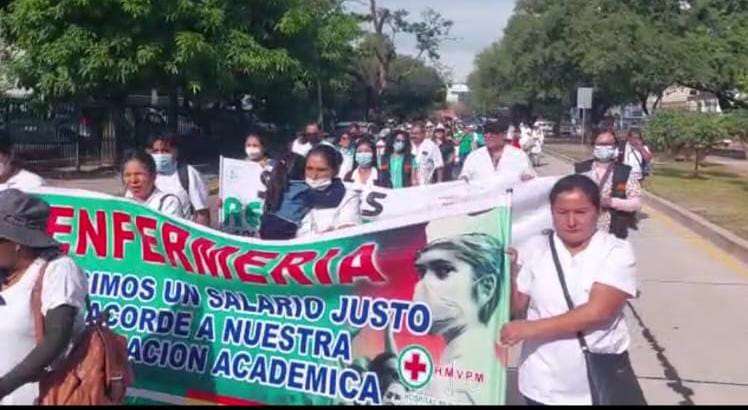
(531, 402)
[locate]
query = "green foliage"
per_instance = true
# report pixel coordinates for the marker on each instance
(376, 54)
(415, 89)
(690, 133)
(628, 50)
(213, 50)
(737, 124)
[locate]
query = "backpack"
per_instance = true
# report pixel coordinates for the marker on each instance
(95, 372)
(184, 177)
(163, 199)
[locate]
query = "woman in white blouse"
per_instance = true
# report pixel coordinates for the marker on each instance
(26, 253)
(600, 272)
(139, 177)
(365, 173)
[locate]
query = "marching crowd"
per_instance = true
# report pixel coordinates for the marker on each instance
(568, 288)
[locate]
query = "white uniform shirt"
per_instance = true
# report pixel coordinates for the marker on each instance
(194, 200)
(22, 180)
(553, 371)
(64, 284)
(347, 165)
(167, 204)
(512, 165)
(318, 221)
(634, 159)
(359, 184)
(303, 148)
(428, 159)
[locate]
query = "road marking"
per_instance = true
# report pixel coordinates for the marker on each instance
(699, 242)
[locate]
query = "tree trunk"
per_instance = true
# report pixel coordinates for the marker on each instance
(320, 108)
(696, 162)
(643, 101)
(657, 102)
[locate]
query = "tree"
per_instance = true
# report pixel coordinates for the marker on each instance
(737, 125)
(377, 51)
(207, 52)
(415, 88)
(628, 50)
(692, 133)
(714, 49)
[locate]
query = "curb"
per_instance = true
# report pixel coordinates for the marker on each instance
(721, 237)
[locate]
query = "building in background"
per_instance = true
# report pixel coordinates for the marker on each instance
(458, 93)
(684, 98)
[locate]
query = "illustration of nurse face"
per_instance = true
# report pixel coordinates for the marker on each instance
(447, 286)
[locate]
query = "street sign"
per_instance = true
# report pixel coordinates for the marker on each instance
(584, 98)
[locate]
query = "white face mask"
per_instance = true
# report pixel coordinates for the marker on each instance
(447, 312)
(605, 153)
(319, 184)
(253, 153)
(165, 163)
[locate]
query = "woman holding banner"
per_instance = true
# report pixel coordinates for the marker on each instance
(320, 203)
(139, 177)
(570, 293)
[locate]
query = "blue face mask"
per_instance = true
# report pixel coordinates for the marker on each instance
(399, 146)
(364, 159)
(165, 163)
(605, 153)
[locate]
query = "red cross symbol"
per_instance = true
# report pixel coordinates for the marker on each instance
(415, 367)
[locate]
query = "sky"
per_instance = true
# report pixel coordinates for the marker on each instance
(477, 23)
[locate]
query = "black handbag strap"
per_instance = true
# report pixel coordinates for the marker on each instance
(569, 303)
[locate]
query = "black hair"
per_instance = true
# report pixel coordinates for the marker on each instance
(332, 156)
(255, 132)
(373, 145)
(169, 138)
(391, 143)
(141, 156)
(597, 131)
(6, 145)
(498, 126)
(576, 182)
(340, 136)
(8, 148)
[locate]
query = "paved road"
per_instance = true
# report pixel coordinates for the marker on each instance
(689, 326)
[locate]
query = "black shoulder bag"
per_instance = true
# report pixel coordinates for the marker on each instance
(611, 378)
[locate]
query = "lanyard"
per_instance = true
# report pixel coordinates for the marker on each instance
(605, 177)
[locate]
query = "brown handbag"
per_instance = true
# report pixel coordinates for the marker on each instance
(95, 372)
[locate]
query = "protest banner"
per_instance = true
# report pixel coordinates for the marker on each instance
(241, 190)
(531, 212)
(402, 310)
